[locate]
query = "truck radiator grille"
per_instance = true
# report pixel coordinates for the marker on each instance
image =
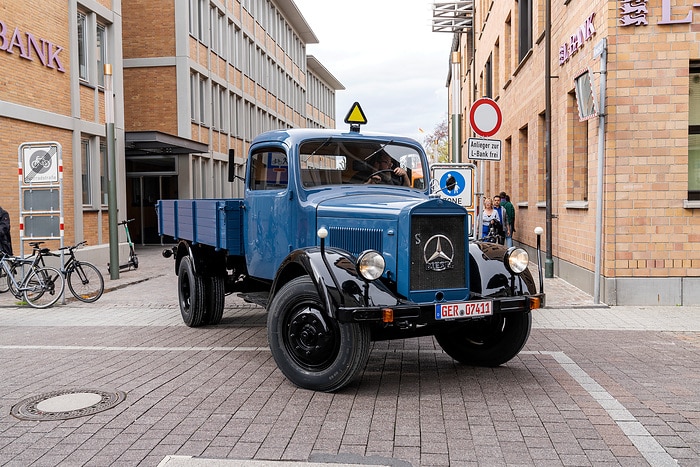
(355, 240)
(438, 252)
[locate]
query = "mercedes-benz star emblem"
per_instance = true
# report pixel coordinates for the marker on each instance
(438, 253)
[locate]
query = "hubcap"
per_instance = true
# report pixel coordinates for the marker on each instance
(309, 340)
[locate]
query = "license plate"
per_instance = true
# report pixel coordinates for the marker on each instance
(460, 310)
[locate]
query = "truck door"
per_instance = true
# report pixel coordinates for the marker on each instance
(268, 213)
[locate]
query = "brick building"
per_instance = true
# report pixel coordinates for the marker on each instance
(193, 81)
(646, 137)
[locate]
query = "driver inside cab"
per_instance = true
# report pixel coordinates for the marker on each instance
(385, 172)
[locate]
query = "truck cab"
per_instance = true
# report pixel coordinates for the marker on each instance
(340, 239)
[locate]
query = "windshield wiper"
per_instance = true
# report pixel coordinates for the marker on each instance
(380, 148)
(318, 149)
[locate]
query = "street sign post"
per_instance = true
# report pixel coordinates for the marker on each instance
(484, 149)
(485, 117)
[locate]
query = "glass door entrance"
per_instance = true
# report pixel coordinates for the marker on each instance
(142, 193)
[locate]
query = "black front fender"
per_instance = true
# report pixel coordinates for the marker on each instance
(335, 278)
(488, 276)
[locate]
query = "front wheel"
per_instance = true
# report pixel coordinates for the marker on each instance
(43, 287)
(489, 342)
(312, 350)
(85, 282)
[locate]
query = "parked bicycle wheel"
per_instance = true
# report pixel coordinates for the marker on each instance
(4, 281)
(18, 278)
(44, 287)
(85, 282)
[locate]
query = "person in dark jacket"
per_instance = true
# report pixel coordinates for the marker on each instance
(5, 229)
(510, 212)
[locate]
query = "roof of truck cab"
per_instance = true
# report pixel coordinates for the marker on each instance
(294, 135)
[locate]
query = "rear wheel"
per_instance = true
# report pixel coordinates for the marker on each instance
(489, 342)
(4, 281)
(44, 287)
(190, 293)
(313, 351)
(85, 282)
(216, 297)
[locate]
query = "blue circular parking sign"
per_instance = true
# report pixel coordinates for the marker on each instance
(452, 183)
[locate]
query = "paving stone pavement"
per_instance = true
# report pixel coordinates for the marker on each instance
(594, 385)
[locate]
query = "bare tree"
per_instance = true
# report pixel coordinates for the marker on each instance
(436, 143)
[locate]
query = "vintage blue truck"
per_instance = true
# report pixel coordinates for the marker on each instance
(342, 253)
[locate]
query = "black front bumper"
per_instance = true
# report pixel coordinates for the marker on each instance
(415, 313)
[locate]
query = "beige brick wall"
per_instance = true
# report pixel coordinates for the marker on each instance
(152, 107)
(30, 83)
(10, 141)
(647, 232)
(148, 28)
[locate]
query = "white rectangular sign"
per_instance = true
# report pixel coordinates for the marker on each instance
(484, 149)
(40, 164)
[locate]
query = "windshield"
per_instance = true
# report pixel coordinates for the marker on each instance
(333, 162)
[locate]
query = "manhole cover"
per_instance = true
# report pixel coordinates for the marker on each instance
(62, 405)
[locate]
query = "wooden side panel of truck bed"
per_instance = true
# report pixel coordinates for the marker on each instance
(214, 222)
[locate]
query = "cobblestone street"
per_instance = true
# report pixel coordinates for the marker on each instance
(593, 386)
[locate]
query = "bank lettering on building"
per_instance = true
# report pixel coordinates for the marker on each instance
(26, 45)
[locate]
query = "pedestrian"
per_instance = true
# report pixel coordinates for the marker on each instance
(5, 229)
(510, 213)
(502, 216)
(490, 223)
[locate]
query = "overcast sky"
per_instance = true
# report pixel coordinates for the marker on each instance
(385, 54)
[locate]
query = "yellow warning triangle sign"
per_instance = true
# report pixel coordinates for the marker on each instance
(356, 116)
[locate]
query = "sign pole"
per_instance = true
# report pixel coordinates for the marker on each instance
(112, 173)
(456, 104)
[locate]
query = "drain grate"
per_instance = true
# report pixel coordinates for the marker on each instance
(66, 404)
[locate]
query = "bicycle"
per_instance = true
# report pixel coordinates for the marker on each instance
(41, 287)
(84, 280)
(32, 261)
(133, 260)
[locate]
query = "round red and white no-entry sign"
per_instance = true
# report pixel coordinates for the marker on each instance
(485, 117)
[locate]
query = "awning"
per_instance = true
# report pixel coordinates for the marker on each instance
(147, 143)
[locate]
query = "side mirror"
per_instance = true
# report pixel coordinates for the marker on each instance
(231, 165)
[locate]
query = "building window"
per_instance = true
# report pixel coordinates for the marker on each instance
(193, 96)
(523, 164)
(507, 49)
(202, 100)
(202, 20)
(92, 48)
(104, 171)
(541, 159)
(577, 153)
(82, 47)
(694, 132)
(508, 159)
(85, 170)
(488, 78)
(524, 28)
(101, 55)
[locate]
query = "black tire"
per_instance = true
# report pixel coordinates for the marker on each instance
(4, 281)
(44, 287)
(216, 297)
(490, 342)
(10, 284)
(85, 282)
(312, 351)
(190, 289)
(134, 260)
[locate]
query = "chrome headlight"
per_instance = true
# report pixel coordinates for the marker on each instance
(370, 265)
(516, 260)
